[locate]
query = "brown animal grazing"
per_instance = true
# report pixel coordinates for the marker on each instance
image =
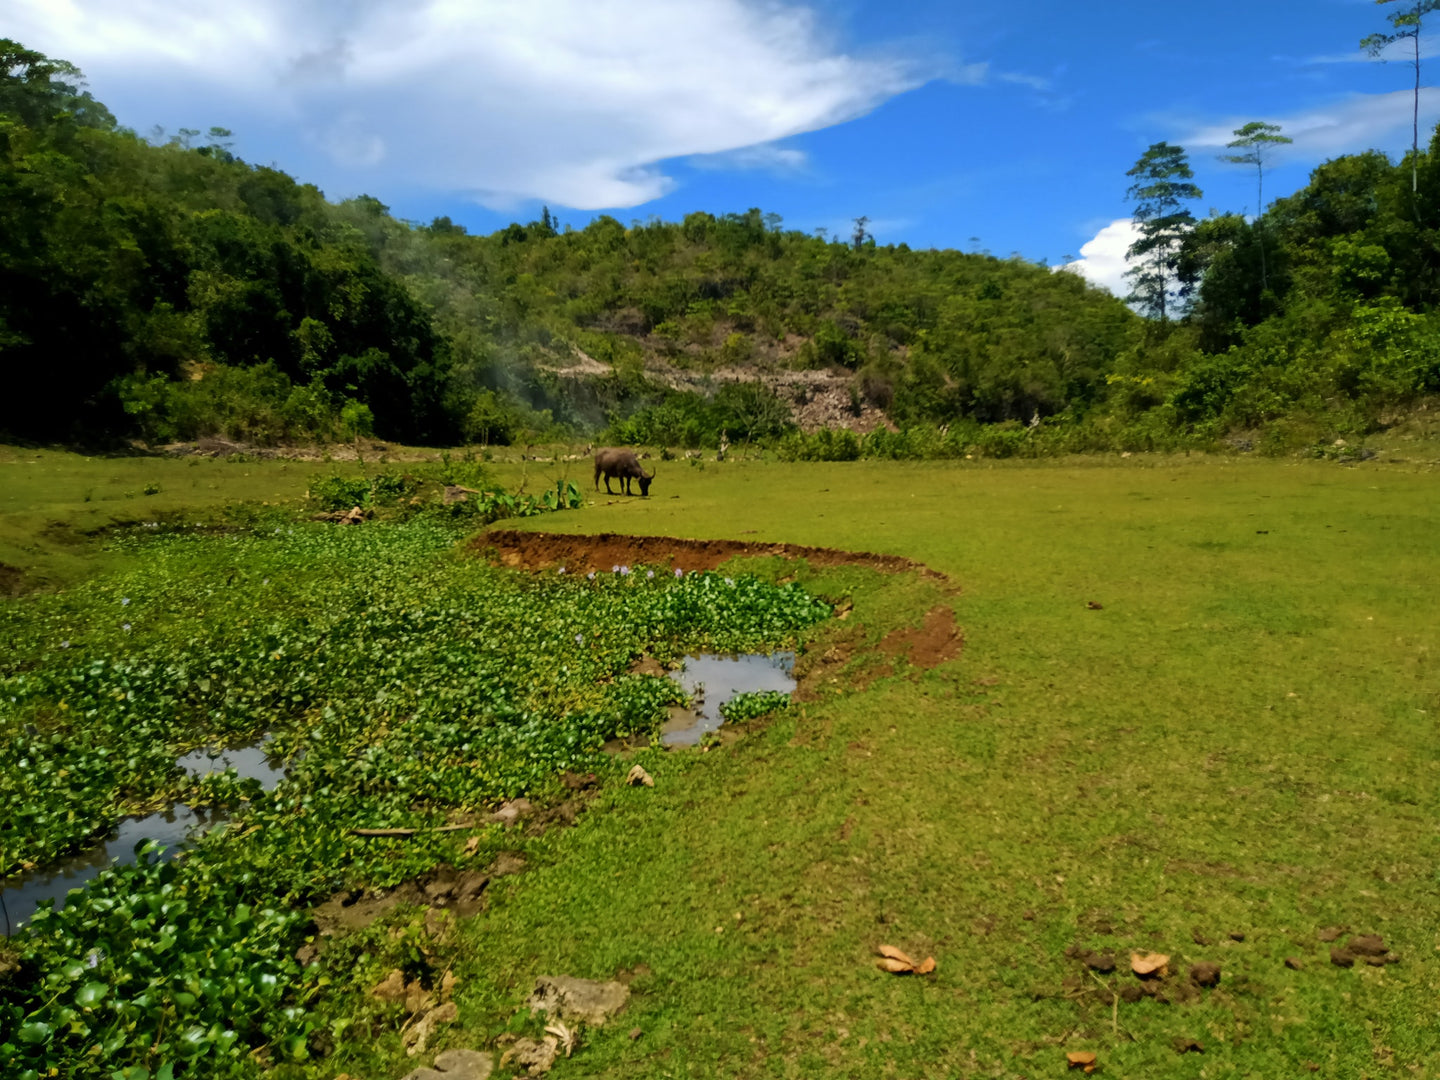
(623, 465)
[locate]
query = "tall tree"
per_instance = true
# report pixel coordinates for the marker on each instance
(1162, 185)
(1406, 24)
(1254, 142)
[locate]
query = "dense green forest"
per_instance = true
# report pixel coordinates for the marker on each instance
(174, 291)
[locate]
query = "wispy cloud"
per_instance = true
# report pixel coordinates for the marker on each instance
(1357, 123)
(570, 101)
(1399, 51)
(767, 157)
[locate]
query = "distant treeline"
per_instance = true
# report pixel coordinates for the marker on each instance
(172, 291)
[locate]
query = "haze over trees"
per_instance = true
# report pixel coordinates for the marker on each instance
(173, 291)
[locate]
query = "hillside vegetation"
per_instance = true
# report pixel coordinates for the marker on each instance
(173, 291)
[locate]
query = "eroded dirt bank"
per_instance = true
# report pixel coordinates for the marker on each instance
(602, 551)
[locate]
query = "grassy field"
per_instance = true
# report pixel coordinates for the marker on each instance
(1236, 749)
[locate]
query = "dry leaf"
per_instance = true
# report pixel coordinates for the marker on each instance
(925, 966)
(471, 845)
(637, 775)
(895, 954)
(1081, 1059)
(565, 1034)
(1153, 963)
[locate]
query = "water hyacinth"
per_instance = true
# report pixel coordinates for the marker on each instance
(369, 621)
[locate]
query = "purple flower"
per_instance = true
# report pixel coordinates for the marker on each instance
(125, 601)
(93, 957)
(125, 626)
(679, 572)
(649, 573)
(64, 644)
(615, 569)
(561, 570)
(590, 576)
(624, 571)
(730, 581)
(579, 639)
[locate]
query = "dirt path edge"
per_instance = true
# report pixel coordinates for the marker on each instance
(579, 553)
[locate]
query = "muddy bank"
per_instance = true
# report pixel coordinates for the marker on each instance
(541, 551)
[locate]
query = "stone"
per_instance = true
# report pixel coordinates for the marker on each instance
(535, 1057)
(391, 988)
(567, 998)
(417, 1038)
(456, 1065)
(512, 811)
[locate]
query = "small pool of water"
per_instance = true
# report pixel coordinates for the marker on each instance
(252, 762)
(171, 828)
(714, 680)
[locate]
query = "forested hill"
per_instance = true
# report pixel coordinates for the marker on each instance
(155, 289)
(173, 291)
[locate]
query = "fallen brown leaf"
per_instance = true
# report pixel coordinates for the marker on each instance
(1145, 964)
(471, 845)
(898, 962)
(895, 954)
(1082, 1059)
(637, 775)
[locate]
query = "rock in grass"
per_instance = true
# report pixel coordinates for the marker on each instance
(532, 1055)
(456, 1065)
(567, 998)
(1342, 957)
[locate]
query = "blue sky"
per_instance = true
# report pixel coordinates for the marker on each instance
(940, 121)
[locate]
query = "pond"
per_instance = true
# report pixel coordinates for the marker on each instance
(714, 679)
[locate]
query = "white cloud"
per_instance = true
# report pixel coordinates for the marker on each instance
(572, 101)
(1102, 258)
(1354, 124)
(764, 156)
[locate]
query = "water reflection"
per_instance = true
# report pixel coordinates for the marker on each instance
(23, 893)
(715, 680)
(171, 828)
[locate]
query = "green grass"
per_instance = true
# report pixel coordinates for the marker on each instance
(1241, 740)
(53, 503)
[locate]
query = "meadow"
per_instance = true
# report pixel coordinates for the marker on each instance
(1194, 715)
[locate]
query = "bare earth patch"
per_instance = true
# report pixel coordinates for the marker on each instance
(579, 554)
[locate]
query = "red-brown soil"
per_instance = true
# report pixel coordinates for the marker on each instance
(579, 554)
(933, 642)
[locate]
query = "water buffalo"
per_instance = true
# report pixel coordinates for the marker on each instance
(623, 465)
